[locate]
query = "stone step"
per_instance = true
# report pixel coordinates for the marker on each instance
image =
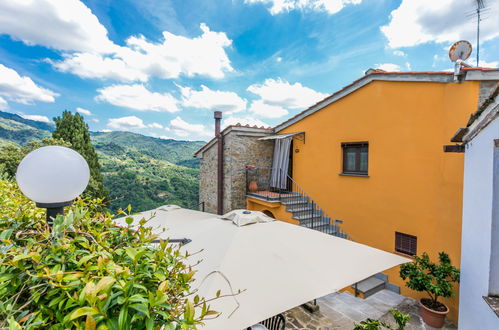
(288, 200)
(309, 216)
(370, 286)
(304, 211)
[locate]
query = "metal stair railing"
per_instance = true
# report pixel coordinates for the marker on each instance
(318, 218)
(311, 215)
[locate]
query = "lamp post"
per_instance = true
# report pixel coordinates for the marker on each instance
(52, 177)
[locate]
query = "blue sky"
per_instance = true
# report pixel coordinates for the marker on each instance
(161, 68)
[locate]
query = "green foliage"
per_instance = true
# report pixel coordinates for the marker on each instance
(435, 280)
(172, 151)
(19, 130)
(87, 273)
(140, 170)
(400, 318)
(11, 154)
(73, 129)
(145, 182)
(371, 324)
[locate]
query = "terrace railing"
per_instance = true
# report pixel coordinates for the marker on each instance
(297, 201)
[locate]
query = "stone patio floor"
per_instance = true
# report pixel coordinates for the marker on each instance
(342, 310)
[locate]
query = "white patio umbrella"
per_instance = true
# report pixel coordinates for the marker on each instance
(277, 265)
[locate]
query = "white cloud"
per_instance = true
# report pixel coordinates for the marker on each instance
(3, 104)
(137, 97)
(416, 22)
(60, 24)
(398, 52)
(141, 59)
(328, 6)
(390, 67)
(228, 102)
(22, 89)
(184, 129)
(263, 109)
(44, 119)
(84, 111)
(95, 120)
(88, 65)
(243, 121)
(126, 123)
(483, 64)
(278, 92)
(106, 130)
(156, 125)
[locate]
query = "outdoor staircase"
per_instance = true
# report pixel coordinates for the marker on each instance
(297, 202)
(310, 215)
(373, 284)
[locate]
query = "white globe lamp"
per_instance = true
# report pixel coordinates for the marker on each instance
(52, 177)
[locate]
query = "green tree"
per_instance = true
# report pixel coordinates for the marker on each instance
(11, 154)
(73, 129)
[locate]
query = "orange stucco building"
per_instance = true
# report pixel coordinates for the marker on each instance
(372, 155)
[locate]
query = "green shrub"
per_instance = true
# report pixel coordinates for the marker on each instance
(371, 324)
(87, 273)
(426, 276)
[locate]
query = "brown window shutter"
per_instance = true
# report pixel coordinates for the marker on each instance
(405, 243)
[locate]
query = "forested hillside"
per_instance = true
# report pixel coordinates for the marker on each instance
(143, 171)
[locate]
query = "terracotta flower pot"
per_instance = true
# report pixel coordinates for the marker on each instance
(433, 318)
(253, 186)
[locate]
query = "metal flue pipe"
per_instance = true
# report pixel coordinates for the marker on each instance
(220, 162)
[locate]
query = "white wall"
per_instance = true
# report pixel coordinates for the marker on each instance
(478, 196)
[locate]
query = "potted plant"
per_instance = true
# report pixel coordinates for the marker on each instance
(251, 173)
(436, 281)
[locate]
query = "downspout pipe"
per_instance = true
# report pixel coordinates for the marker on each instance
(220, 163)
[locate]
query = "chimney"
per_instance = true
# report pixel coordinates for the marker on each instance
(220, 163)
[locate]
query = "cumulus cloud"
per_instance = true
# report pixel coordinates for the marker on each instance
(398, 52)
(141, 59)
(21, 89)
(70, 26)
(137, 97)
(88, 65)
(416, 22)
(126, 123)
(246, 120)
(206, 98)
(390, 67)
(277, 96)
(184, 129)
(84, 111)
(263, 109)
(43, 119)
(59, 24)
(328, 6)
(3, 104)
(156, 125)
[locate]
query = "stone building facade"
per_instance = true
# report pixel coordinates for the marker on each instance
(241, 149)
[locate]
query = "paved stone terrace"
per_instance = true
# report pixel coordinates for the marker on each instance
(343, 310)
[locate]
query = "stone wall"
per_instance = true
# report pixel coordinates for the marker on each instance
(241, 148)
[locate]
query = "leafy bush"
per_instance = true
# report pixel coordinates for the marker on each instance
(11, 154)
(435, 280)
(370, 324)
(87, 273)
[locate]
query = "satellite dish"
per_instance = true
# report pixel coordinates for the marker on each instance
(461, 50)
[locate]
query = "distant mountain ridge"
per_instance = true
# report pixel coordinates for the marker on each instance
(140, 170)
(14, 128)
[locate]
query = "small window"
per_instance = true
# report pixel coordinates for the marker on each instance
(355, 158)
(406, 244)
